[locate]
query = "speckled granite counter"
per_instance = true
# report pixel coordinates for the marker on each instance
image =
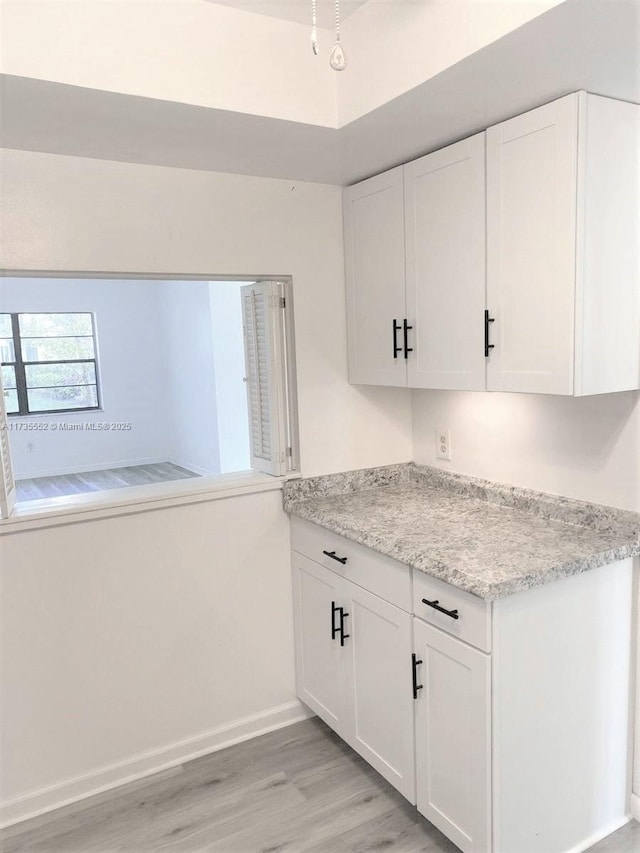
(487, 538)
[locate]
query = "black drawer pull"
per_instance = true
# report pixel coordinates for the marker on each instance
(415, 663)
(406, 328)
(487, 345)
(343, 616)
(334, 627)
(396, 329)
(332, 554)
(436, 606)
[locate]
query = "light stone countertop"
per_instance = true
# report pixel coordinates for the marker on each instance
(488, 539)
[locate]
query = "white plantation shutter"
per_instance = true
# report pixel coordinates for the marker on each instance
(7, 483)
(264, 346)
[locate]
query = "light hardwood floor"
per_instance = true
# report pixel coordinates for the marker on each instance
(297, 790)
(99, 481)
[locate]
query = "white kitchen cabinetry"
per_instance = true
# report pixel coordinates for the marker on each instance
(321, 670)
(453, 737)
(444, 197)
(374, 264)
(378, 666)
(520, 707)
(563, 202)
(424, 328)
(525, 748)
(556, 307)
(353, 665)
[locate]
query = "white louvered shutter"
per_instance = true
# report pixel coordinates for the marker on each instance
(7, 483)
(264, 347)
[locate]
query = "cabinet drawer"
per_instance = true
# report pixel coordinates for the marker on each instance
(473, 624)
(366, 568)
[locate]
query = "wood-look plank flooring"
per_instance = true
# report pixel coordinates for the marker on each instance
(297, 790)
(99, 481)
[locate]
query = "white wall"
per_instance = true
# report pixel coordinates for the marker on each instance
(187, 51)
(587, 447)
(182, 50)
(126, 611)
(135, 634)
(393, 47)
(206, 395)
(229, 367)
(191, 407)
(131, 374)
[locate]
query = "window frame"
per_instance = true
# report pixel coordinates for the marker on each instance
(72, 509)
(20, 365)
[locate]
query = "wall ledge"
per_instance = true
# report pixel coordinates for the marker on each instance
(72, 509)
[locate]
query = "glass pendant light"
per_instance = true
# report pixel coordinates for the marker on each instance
(337, 59)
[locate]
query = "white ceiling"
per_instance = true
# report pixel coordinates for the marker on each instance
(295, 10)
(576, 45)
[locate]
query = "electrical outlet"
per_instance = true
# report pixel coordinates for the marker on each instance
(443, 443)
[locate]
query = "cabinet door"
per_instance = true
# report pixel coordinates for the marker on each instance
(374, 264)
(453, 731)
(320, 660)
(379, 680)
(445, 255)
(531, 243)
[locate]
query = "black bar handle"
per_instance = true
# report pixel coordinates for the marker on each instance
(333, 556)
(487, 345)
(334, 627)
(396, 329)
(436, 606)
(407, 348)
(343, 616)
(415, 663)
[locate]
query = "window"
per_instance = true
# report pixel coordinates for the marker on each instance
(48, 363)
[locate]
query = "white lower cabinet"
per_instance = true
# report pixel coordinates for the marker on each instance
(379, 687)
(453, 737)
(353, 668)
(320, 662)
(506, 723)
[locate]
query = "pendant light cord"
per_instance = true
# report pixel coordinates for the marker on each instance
(314, 28)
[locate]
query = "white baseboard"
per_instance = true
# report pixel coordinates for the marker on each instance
(598, 836)
(148, 763)
(635, 806)
(82, 469)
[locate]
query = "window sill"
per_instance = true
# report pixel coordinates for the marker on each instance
(72, 509)
(16, 416)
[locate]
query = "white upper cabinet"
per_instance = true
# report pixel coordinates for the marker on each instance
(422, 326)
(444, 202)
(531, 216)
(374, 262)
(526, 278)
(562, 248)
(607, 340)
